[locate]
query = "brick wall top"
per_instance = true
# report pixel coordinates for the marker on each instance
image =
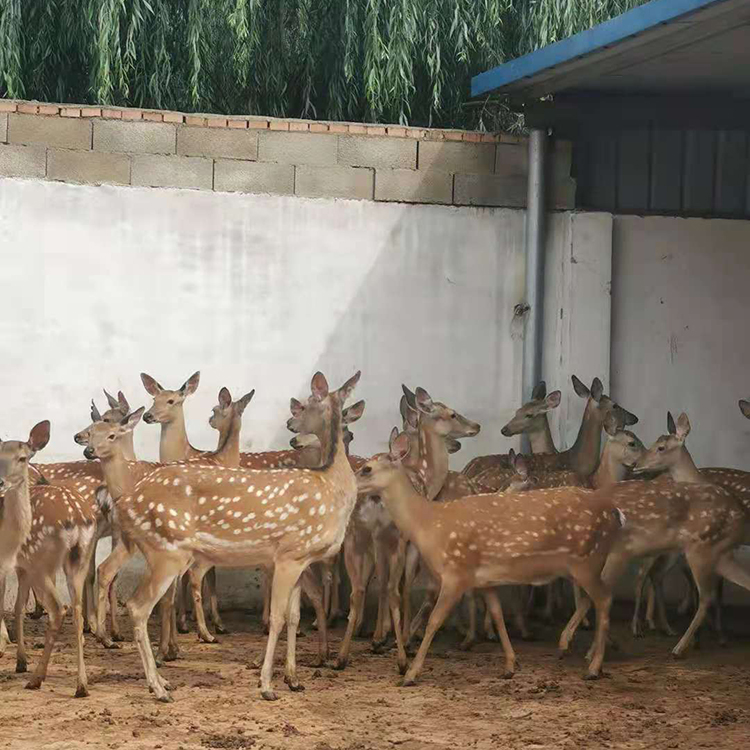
(155, 148)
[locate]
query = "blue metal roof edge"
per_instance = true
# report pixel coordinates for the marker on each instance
(610, 32)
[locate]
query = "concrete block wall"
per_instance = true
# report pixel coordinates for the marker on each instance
(99, 145)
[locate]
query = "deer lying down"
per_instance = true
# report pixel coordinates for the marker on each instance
(471, 543)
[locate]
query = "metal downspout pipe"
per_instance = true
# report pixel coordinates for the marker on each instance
(535, 241)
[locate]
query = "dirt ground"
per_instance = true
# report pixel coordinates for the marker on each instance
(649, 700)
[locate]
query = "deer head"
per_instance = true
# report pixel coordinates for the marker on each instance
(118, 408)
(445, 421)
(16, 454)
(167, 404)
(668, 450)
(379, 471)
(599, 405)
(104, 438)
(520, 481)
(531, 415)
(350, 415)
(745, 408)
(226, 411)
(623, 447)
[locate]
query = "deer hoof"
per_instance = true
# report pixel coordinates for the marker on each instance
(118, 638)
(110, 645)
(508, 674)
(221, 630)
(33, 684)
(269, 695)
(340, 664)
(82, 692)
(466, 645)
(589, 676)
(402, 668)
(295, 686)
(21, 667)
(408, 682)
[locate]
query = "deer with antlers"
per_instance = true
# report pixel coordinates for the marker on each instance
(192, 517)
(475, 544)
(44, 528)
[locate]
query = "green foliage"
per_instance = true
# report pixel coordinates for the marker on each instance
(395, 61)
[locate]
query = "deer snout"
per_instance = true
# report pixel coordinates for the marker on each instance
(294, 442)
(505, 432)
(148, 418)
(2, 485)
(81, 438)
(89, 453)
(290, 425)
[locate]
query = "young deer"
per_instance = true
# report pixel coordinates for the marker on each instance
(192, 517)
(475, 544)
(687, 514)
(44, 528)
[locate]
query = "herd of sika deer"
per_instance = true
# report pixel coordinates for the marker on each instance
(505, 520)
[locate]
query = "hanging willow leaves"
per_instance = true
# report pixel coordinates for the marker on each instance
(398, 61)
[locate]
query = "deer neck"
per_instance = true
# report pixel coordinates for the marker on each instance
(15, 523)
(684, 469)
(409, 510)
(174, 444)
(584, 453)
(610, 470)
(333, 458)
(117, 476)
(433, 458)
(228, 452)
(540, 437)
(128, 448)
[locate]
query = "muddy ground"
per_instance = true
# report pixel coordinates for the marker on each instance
(649, 700)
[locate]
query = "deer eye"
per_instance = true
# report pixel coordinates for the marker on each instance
(366, 470)
(111, 437)
(22, 460)
(528, 416)
(453, 415)
(171, 401)
(661, 449)
(631, 444)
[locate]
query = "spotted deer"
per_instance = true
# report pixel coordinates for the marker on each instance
(475, 544)
(192, 517)
(44, 528)
(687, 514)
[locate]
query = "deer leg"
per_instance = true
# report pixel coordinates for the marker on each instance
(450, 592)
(718, 625)
(76, 573)
(285, 577)
(265, 582)
(496, 611)
(601, 596)
(396, 563)
(169, 649)
(380, 636)
(24, 584)
(106, 574)
(488, 626)
(644, 571)
(549, 604)
(292, 623)
(195, 577)
(213, 602)
(4, 635)
(703, 566)
(89, 611)
(471, 634)
(158, 578)
(335, 611)
(51, 601)
(313, 591)
(181, 600)
(356, 561)
(411, 568)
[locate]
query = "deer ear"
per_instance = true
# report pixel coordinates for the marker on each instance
(399, 446)
(612, 424)
(597, 390)
(521, 466)
(745, 408)
(411, 399)
(190, 386)
(319, 386)
(539, 392)
(671, 428)
(244, 401)
(553, 400)
(347, 389)
(225, 398)
(683, 427)
(39, 436)
(123, 402)
(424, 401)
(151, 386)
(111, 400)
(131, 420)
(351, 414)
(511, 456)
(295, 407)
(580, 389)
(628, 418)
(95, 416)
(392, 438)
